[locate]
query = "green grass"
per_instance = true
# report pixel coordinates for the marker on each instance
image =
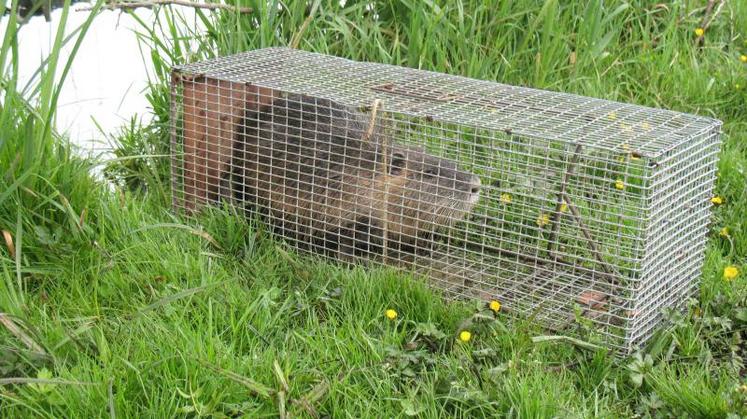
(113, 306)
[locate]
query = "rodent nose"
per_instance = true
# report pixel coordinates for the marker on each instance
(476, 183)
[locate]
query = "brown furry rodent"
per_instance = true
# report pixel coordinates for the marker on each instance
(310, 167)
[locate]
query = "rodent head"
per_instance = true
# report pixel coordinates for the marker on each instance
(427, 192)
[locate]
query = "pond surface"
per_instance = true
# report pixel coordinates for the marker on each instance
(106, 83)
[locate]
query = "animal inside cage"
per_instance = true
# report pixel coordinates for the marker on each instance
(559, 206)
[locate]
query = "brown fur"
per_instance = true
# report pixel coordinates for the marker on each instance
(309, 167)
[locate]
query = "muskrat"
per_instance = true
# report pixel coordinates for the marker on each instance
(315, 170)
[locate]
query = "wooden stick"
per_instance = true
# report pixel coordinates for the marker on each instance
(297, 37)
(556, 214)
(590, 240)
(708, 19)
(372, 121)
(152, 3)
(385, 151)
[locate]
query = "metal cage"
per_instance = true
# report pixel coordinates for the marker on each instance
(566, 208)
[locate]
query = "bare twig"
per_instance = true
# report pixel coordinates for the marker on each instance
(590, 240)
(151, 3)
(559, 205)
(708, 19)
(297, 37)
(375, 108)
(716, 13)
(372, 121)
(385, 226)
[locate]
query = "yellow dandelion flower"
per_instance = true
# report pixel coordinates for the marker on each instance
(495, 306)
(731, 272)
(390, 314)
(697, 312)
(619, 184)
(563, 207)
(717, 200)
(543, 220)
(742, 388)
(612, 116)
(743, 58)
(724, 232)
(465, 336)
(699, 32)
(506, 198)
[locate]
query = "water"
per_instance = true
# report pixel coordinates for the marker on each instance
(108, 78)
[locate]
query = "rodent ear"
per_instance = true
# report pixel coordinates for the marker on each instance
(397, 163)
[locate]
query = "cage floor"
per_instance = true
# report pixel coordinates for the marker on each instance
(552, 294)
(555, 295)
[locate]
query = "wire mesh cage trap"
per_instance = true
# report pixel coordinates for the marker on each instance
(559, 206)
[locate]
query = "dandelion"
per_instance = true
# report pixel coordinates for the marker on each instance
(390, 314)
(743, 58)
(543, 220)
(506, 198)
(717, 200)
(465, 336)
(619, 184)
(612, 116)
(724, 232)
(563, 207)
(731, 272)
(699, 32)
(495, 306)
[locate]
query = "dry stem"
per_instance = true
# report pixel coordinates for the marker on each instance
(152, 3)
(708, 18)
(590, 241)
(559, 204)
(16, 331)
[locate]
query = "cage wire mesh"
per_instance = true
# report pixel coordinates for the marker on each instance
(559, 206)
